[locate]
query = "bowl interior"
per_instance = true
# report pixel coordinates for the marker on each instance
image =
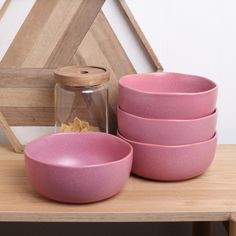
(78, 149)
(167, 83)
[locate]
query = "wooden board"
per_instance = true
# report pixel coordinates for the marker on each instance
(26, 96)
(4, 8)
(51, 33)
(210, 197)
(10, 135)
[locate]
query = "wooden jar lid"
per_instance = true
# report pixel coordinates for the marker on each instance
(81, 76)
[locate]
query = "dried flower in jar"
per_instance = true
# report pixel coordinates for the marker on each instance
(78, 126)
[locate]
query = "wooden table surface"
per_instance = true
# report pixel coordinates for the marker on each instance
(210, 197)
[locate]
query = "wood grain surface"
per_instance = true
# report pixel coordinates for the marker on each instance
(81, 76)
(4, 7)
(27, 96)
(26, 78)
(29, 116)
(10, 135)
(51, 33)
(210, 197)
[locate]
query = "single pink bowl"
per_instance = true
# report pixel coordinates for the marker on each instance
(165, 131)
(78, 167)
(167, 95)
(171, 163)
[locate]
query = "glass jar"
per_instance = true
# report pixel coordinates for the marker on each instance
(81, 99)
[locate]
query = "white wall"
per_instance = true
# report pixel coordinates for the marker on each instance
(197, 37)
(188, 36)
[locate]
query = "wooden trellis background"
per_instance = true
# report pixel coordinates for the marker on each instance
(57, 33)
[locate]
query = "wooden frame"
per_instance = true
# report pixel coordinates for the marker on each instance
(97, 47)
(26, 93)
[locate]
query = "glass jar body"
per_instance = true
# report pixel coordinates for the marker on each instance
(80, 109)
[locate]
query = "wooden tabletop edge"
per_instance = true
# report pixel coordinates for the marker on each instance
(113, 216)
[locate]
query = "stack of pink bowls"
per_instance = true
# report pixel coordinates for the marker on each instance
(170, 120)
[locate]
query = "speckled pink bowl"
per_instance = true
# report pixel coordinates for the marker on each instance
(78, 167)
(167, 95)
(166, 131)
(172, 163)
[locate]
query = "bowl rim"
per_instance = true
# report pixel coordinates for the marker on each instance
(213, 114)
(28, 156)
(168, 93)
(214, 137)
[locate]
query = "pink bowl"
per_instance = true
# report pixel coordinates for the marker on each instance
(167, 95)
(78, 167)
(171, 163)
(164, 131)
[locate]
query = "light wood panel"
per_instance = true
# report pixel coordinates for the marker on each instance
(27, 96)
(4, 8)
(26, 78)
(210, 197)
(29, 116)
(51, 33)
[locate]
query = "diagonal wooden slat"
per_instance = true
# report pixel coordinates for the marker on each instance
(4, 8)
(10, 135)
(51, 33)
(130, 17)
